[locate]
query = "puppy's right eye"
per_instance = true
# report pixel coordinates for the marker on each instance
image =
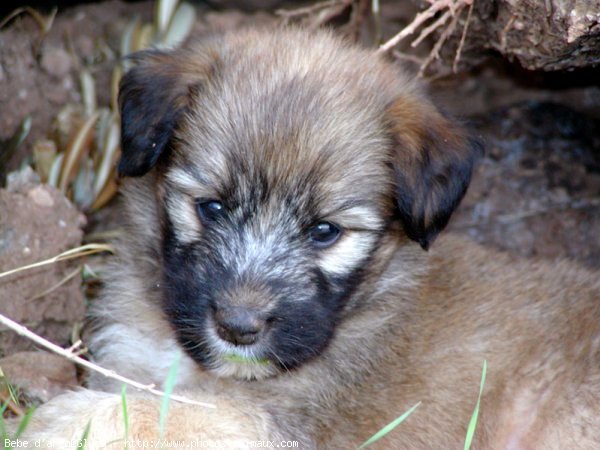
(324, 234)
(210, 210)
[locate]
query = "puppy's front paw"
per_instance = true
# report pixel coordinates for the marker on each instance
(62, 423)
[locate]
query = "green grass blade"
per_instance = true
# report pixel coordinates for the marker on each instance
(24, 422)
(168, 389)
(12, 392)
(389, 427)
(473, 422)
(84, 436)
(125, 413)
(3, 432)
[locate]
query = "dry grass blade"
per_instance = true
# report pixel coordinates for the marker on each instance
(110, 153)
(126, 46)
(181, 25)
(56, 286)
(82, 190)
(163, 15)
(44, 154)
(78, 146)
(143, 37)
(376, 11)
(23, 331)
(114, 87)
(54, 173)
(77, 252)
(45, 23)
(88, 92)
(109, 190)
(82, 166)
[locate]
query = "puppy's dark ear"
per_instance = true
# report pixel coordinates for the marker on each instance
(153, 96)
(433, 160)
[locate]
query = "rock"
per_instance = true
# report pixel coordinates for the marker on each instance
(550, 35)
(39, 375)
(56, 62)
(36, 223)
(535, 192)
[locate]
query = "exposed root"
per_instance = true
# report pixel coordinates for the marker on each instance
(435, 51)
(450, 13)
(462, 39)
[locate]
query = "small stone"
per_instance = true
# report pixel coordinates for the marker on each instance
(18, 180)
(40, 196)
(56, 62)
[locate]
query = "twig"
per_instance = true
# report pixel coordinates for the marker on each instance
(358, 11)
(67, 353)
(451, 9)
(77, 252)
(406, 57)
(431, 28)
(412, 27)
(462, 39)
(504, 32)
(435, 52)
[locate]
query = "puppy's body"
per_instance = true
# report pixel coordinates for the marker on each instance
(290, 184)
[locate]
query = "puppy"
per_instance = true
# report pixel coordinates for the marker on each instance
(282, 192)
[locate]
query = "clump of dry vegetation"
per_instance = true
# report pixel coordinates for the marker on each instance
(80, 155)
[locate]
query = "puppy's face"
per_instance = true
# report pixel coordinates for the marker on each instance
(282, 161)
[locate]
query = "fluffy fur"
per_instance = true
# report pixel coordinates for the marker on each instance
(288, 130)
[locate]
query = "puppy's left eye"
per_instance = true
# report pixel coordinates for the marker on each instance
(210, 210)
(324, 234)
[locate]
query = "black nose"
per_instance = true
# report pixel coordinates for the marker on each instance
(239, 326)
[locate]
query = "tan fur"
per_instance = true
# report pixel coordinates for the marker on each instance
(418, 326)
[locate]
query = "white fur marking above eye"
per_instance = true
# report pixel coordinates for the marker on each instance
(183, 179)
(359, 217)
(347, 253)
(182, 212)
